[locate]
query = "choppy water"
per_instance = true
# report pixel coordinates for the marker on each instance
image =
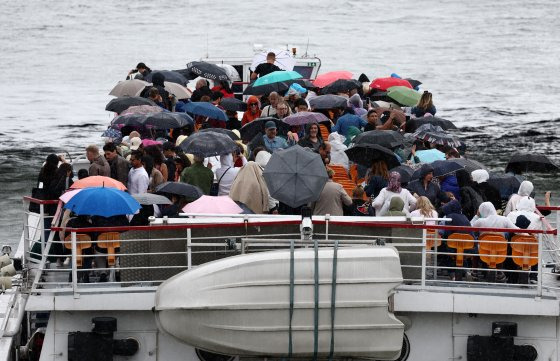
(492, 66)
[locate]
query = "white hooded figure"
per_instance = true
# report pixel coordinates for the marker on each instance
(480, 176)
(488, 218)
(226, 174)
(525, 190)
(526, 207)
(338, 156)
(262, 159)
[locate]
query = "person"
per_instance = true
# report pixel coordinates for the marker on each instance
(265, 68)
(223, 87)
(169, 152)
(312, 138)
(301, 105)
(173, 210)
(469, 197)
(181, 163)
(425, 105)
(62, 181)
(372, 121)
(232, 122)
(249, 188)
(346, 121)
(158, 80)
(201, 89)
(448, 183)
(425, 187)
(325, 152)
(338, 154)
(525, 190)
(198, 175)
(47, 175)
(141, 72)
(359, 207)
(270, 110)
(331, 199)
(282, 110)
(226, 174)
(396, 208)
(156, 178)
(262, 159)
(155, 152)
(83, 173)
(452, 209)
(119, 166)
(377, 178)
(253, 110)
(271, 141)
(357, 104)
(99, 165)
(155, 96)
(526, 207)
(217, 99)
(489, 192)
(382, 201)
(138, 179)
(487, 217)
(424, 208)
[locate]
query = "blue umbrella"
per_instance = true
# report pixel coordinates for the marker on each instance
(112, 133)
(430, 155)
(206, 110)
(102, 201)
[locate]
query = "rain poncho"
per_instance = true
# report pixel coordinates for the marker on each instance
(396, 206)
(525, 190)
(382, 201)
(262, 159)
(249, 187)
(488, 218)
(526, 207)
(338, 156)
(480, 175)
(226, 174)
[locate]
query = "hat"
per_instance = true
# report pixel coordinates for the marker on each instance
(135, 143)
(180, 139)
(270, 124)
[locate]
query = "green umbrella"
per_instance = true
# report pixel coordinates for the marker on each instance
(403, 95)
(276, 77)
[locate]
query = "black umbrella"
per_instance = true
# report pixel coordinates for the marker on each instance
(206, 70)
(151, 198)
(341, 86)
(405, 172)
(415, 83)
(233, 105)
(266, 89)
(163, 120)
(208, 144)
(386, 138)
(525, 162)
(295, 176)
(181, 189)
(306, 83)
(250, 130)
(435, 134)
(227, 132)
(507, 184)
(440, 122)
(169, 75)
(119, 105)
(365, 154)
(441, 168)
(470, 165)
(328, 101)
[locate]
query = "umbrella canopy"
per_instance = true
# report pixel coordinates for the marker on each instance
(151, 198)
(277, 77)
(205, 109)
(435, 134)
(328, 78)
(328, 101)
(181, 189)
(415, 83)
(143, 109)
(404, 95)
(525, 162)
(231, 72)
(208, 144)
(98, 181)
(206, 70)
(178, 90)
(227, 132)
(163, 120)
(279, 87)
(385, 138)
(507, 184)
(441, 168)
(130, 88)
(365, 154)
(283, 59)
(405, 171)
(341, 86)
(169, 75)
(66, 196)
(252, 129)
(118, 105)
(469, 164)
(440, 122)
(386, 83)
(302, 118)
(112, 133)
(101, 201)
(295, 176)
(233, 104)
(213, 205)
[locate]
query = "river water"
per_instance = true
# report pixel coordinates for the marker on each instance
(492, 66)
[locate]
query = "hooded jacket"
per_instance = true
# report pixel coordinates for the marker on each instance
(452, 210)
(432, 191)
(525, 190)
(488, 218)
(396, 207)
(449, 184)
(225, 175)
(526, 207)
(338, 154)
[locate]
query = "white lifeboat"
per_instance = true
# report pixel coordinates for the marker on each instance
(240, 305)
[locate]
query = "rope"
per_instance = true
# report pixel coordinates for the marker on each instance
(333, 297)
(316, 311)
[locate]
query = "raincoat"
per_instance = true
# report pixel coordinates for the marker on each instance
(526, 207)
(225, 175)
(525, 190)
(396, 206)
(488, 218)
(249, 187)
(338, 156)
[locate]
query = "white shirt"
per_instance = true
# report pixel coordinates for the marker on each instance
(138, 180)
(382, 201)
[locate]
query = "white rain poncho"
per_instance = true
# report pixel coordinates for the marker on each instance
(526, 207)
(525, 190)
(480, 175)
(338, 156)
(488, 218)
(226, 174)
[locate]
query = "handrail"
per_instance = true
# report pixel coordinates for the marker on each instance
(548, 208)
(40, 201)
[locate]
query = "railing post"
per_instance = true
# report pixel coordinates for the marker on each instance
(423, 272)
(25, 234)
(539, 273)
(327, 218)
(189, 249)
(74, 265)
(42, 226)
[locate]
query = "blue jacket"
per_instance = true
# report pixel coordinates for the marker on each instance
(453, 210)
(346, 121)
(449, 184)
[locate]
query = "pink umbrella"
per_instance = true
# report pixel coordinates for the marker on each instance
(385, 83)
(327, 78)
(213, 205)
(69, 194)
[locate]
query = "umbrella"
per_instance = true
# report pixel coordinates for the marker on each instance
(415, 83)
(227, 132)
(205, 109)
(252, 129)
(98, 181)
(233, 104)
(328, 101)
(112, 133)
(295, 176)
(151, 198)
(277, 77)
(66, 196)
(429, 155)
(327, 78)
(101, 201)
(525, 162)
(469, 164)
(131, 120)
(208, 144)
(181, 189)
(231, 72)
(507, 184)
(385, 138)
(178, 90)
(284, 59)
(386, 83)
(435, 134)
(404, 95)
(207, 70)
(441, 168)
(341, 86)
(143, 109)
(213, 205)
(405, 172)
(440, 122)
(365, 154)
(167, 120)
(118, 105)
(279, 87)
(169, 75)
(302, 118)
(129, 88)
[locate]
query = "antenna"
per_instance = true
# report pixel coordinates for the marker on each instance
(306, 47)
(207, 45)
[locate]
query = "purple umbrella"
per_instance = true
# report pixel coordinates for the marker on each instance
(302, 118)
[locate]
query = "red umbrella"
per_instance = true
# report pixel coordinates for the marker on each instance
(327, 78)
(385, 83)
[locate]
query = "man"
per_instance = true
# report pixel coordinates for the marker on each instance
(119, 166)
(372, 121)
(169, 152)
(201, 89)
(270, 110)
(325, 152)
(217, 99)
(138, 179)
(265, 68)
(99, 165)
(198, 175)
(273, 142)
(301, 105)
(331, 199)
(346, 121)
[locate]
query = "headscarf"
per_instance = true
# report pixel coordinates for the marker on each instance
(396, 206)
(249, 187)
(248, 116)
(262, 158)
(480, 175)
(394, 182)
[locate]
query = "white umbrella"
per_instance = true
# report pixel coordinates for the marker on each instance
(231, 72)
(178, 90)
(284, 59)
(131, 88)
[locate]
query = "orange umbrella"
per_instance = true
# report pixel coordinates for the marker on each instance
(98, 181)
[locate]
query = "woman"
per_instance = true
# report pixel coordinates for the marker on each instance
(181, 162)
(282, 109)
(313, 138)
(377, 178)
(396, 208)
(158, 158)
(156, 178)
(253, 110)
(249, 188)
(226, 174)
(425, 105)
(47, 175)
(488, 218)
(63, 180)
(382, 201)
(223, 87)
(526, 207)
(424, 208)
(470, 198)
(525, 190)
